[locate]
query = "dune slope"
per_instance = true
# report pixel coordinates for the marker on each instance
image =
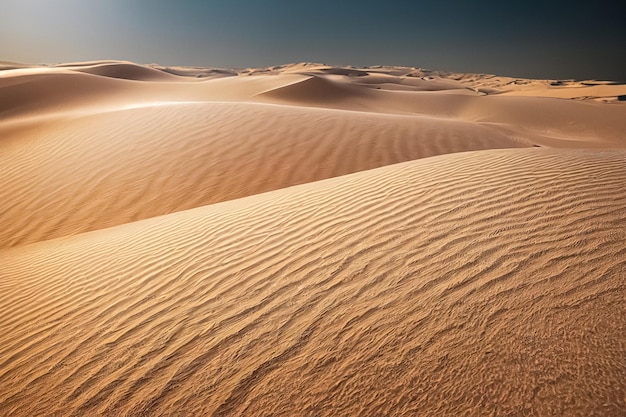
(477, 283)
(98, 144)
(307, 239)
(108, 168)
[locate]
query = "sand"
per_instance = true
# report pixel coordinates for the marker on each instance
(310, 240)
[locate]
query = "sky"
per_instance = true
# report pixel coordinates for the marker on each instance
(555, 40)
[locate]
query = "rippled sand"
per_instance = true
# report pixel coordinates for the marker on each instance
(310, 240)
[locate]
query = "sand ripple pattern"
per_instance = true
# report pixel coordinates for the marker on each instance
(79, 174)
(481, 283)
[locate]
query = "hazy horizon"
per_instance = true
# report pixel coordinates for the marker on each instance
(556, 40)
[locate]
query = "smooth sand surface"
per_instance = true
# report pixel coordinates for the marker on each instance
(310, 240)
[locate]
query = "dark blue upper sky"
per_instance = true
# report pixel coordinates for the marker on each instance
(556, 39)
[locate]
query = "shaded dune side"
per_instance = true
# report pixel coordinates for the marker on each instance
(316, 90)
(128, 71)
(8, 65)
(111, 168)
(468, 284)
(35, 94)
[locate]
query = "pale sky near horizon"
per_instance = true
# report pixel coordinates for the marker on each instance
(546, 39)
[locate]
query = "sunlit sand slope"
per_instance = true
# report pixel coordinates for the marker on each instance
(480, 283)
(76, 174)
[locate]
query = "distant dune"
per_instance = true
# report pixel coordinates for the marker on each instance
(310, 240)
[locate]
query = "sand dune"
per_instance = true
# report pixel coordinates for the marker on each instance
(317, 90)
(308, 239)
(6, 65)
(110, 168)
(127, 72)
(480, 283)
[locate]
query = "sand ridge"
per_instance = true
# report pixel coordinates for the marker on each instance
(110, 168)
(309, 239)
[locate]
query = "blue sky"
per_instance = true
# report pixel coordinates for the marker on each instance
(532, 39)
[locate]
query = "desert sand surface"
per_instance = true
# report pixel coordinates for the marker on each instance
(310, 240)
